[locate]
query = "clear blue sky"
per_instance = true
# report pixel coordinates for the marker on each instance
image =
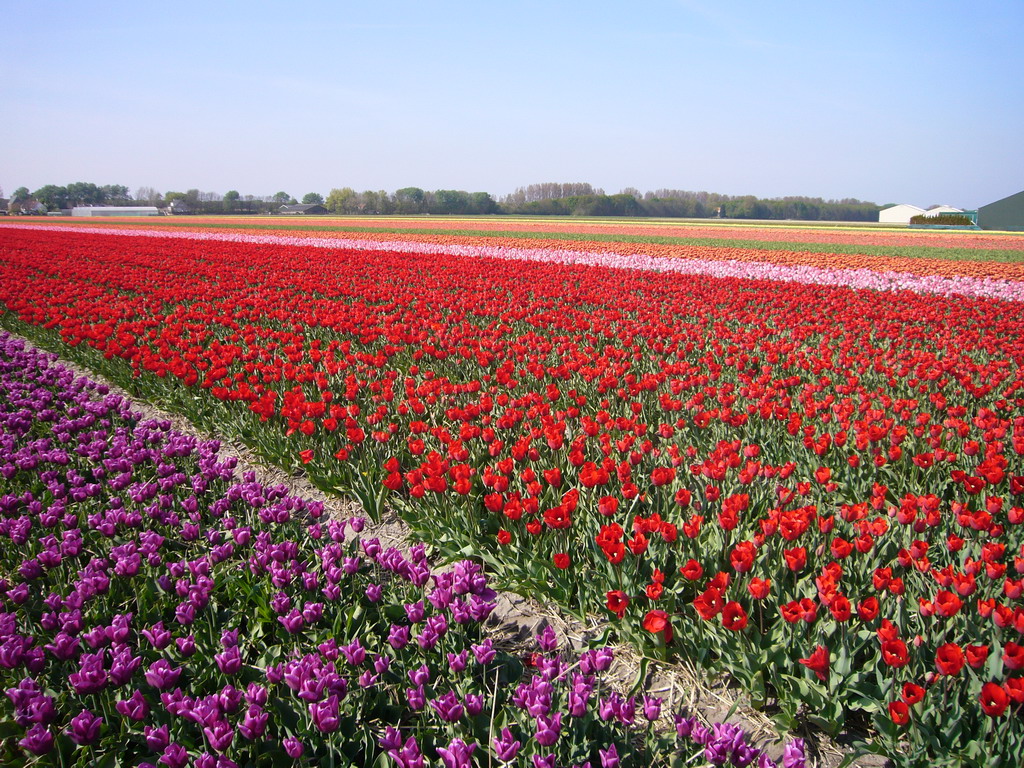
(889, 102)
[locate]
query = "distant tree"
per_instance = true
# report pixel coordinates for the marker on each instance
(148, 195)
(481, 202)
(52, 196)
(281, 198)
(115, 194)
(450, 201)
(410, 200)
(312, 198)
(170, 197)
(85, 193)
(344, 200)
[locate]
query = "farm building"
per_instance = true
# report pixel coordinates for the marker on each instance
(938, 210)
(115, 210)
(311, 209)
(899, 214)
(1007, 213)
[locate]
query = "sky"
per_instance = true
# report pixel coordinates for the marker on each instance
(886, 102)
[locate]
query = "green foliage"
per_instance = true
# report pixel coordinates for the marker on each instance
(943, 219)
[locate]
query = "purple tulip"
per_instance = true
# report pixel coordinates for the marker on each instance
(398, 637)
(474, 704)
(546, 640)
(134, 708)
(415, 612)
(457, 754)
(220, 735)
(548, 729)
(157, 738)
(408, 756)
(652, 708)
(293, 747)
(354, 652)
(325, 714)
(448, 707)
(186, 645)
(281, 603)
(609, 757)
(64, 647)
(230, 661)
(391, 739)
(254, 723)
(416, 698)
(292, 622)
(484, 652)
(329, 649)
(84, 728)
(684, 726)
(185, 613)
(457, 662)
(506, 747)
(256, 694)
(174, 756)
(162, 676)
(794, 754)
(38, 740)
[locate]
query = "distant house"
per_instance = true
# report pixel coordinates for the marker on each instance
(303, 210)
(899, 214)
(29, 208)
(114, 210)
(1007, 214)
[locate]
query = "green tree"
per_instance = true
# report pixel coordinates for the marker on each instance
(482, 202)
(282, 198)
(116, 194)
(312, 198)
(450, 201)
(52, 196)
(85, 193)
(410, 200)
(344, 200)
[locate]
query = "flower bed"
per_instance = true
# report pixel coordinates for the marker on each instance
(156, 608)
(815, 488)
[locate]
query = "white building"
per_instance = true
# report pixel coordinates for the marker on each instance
(899, 214)
(115, 210)
(938, 210)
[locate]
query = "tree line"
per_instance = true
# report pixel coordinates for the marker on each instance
(546, 199)
(578, 200)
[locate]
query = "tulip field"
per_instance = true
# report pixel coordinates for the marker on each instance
(794, 455)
